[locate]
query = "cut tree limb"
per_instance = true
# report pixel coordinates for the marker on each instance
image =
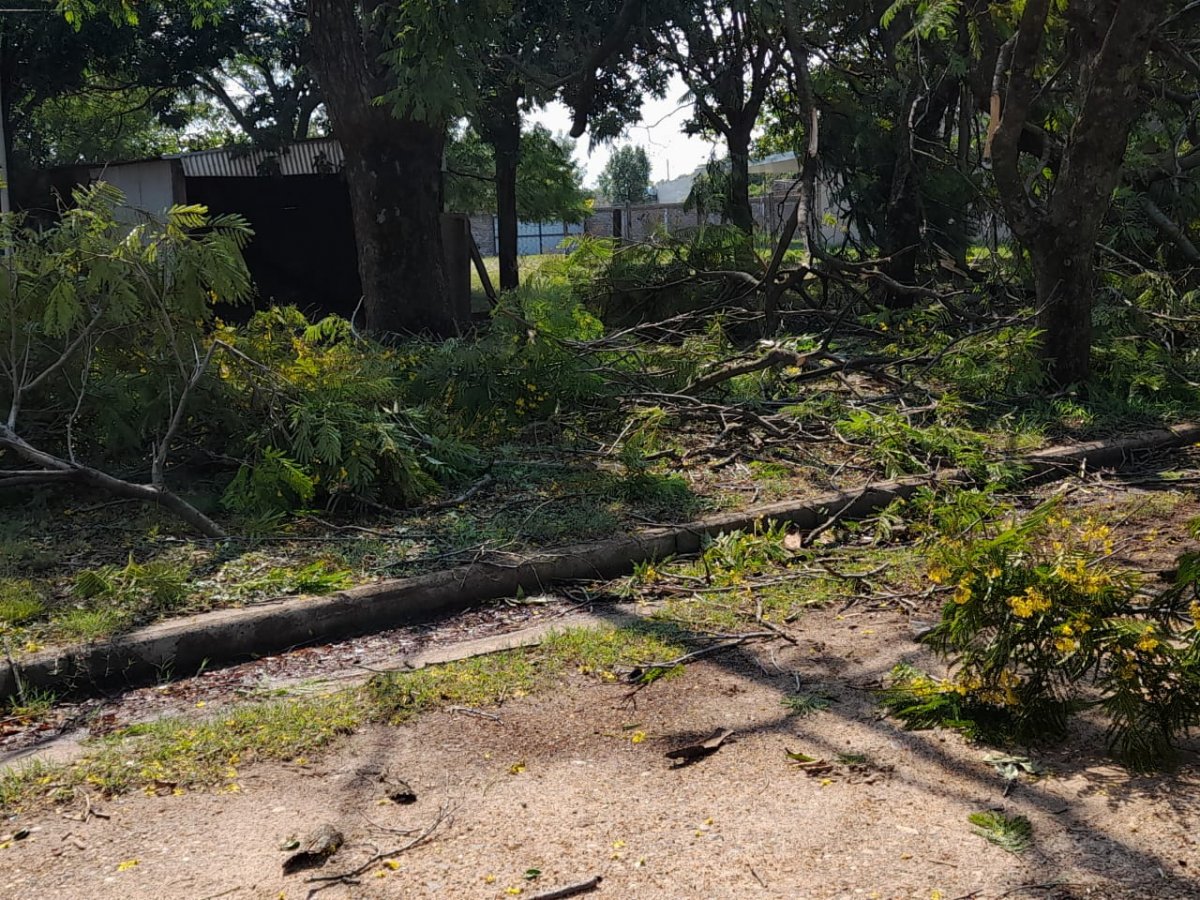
(57, 469)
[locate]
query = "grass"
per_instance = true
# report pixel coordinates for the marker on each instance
(526, 265)
(179, 754)
(802, 704)
(1011, 833)
(20, 601)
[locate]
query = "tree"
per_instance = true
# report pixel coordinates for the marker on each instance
(531, 56)
(393, 152)
(87, 309)
(549, 184)
(728, 57)
(1105, 46)
(152, 60)
(626, 176)
(267, 88)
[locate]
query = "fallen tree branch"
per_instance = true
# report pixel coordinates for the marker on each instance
(86, 475)
(570, 890)
(777, 356)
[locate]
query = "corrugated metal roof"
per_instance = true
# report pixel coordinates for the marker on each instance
(315, 157)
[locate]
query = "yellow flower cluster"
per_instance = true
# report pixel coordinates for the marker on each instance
(1066, 643)
(1076, 574)
(1148, 643)
(1002, 692)
(1194, 610)
(939, 574)
(963, 592)
(1026, 605)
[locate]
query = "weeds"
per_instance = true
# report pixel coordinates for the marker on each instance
(1011, 833)
(802, 705)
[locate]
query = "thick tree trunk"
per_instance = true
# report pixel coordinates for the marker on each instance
(740, 213)
(393, 172)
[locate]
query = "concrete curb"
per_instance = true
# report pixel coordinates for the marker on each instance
(184, 646)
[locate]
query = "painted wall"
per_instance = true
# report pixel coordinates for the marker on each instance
(150, 188)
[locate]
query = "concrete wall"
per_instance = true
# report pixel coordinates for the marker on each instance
(770, 212)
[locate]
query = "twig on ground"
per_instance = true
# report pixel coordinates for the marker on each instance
(642, 672)
(570, 890)
(349, 876)
(460, 499)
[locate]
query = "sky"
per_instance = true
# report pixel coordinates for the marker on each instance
(672, 153)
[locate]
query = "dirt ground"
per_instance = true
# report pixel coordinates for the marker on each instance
(559, 787)
(564, 783)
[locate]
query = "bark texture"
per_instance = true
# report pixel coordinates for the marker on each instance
(393, 172)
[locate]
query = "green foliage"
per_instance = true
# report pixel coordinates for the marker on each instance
(331, 418)
(903, 448)
(1040, 624)
(549, 182)
(731, 556)
(20, 601)
(1011, 833)
(626, 176)
(802, 704)
(158, 585)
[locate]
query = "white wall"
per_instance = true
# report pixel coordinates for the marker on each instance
(149, 188)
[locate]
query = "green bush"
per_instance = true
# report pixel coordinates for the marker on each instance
(1041, 624)
(332, 419)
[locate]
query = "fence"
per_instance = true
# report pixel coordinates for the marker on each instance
(533, 238)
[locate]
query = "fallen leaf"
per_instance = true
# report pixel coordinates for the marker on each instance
(126, 865)
(516, 768)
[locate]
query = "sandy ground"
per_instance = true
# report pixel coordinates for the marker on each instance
(573, 783)
(559, 784)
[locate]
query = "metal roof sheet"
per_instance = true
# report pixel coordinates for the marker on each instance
(316, 157)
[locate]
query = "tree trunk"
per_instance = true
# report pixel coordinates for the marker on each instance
(740, 213)
(1112, 43)
(1064, 278)
(393, 172)
(501, 127)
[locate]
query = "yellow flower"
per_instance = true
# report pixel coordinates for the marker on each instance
(1066, 644)
(939, 574)
(1147, 643)
(1032, 601)
(1194, 610)
(994, 572)
(962, 593)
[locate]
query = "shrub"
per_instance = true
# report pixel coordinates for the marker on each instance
(330, 418)
(1041, 624)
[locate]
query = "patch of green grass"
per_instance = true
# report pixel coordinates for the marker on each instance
(580, 519)
(177, 753)
(33, 703)
(1011, 833)
(20, 601)
(663, 497)
(802, 704)
(487, 680)
(87, 625)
